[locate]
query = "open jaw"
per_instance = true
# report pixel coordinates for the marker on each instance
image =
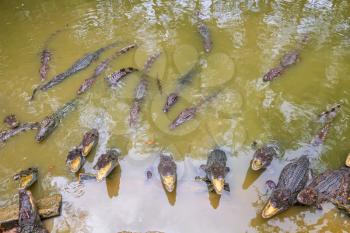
(218, 184)
(347, 162)
(103, 172)
(169, 182)
(271, 210)
(86, 149)
(257, 164)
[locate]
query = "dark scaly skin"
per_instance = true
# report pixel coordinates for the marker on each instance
(141, 90)
(29, 219)
(186, 115)
(216, 171)
(263, 156)
(292, 180)
(273, 73)
(87, 84)
(190, 113)
(79, 65)
(287, 60)
(6, 134)
(89, 141)
(183, 81)
(205, 34)
(167, 172)
(27, 177)
(117, 76)
(326, 187)
(110, 157)
(45, 57)
(11, 121)
(49, 123)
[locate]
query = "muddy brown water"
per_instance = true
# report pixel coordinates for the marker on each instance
(249, 38)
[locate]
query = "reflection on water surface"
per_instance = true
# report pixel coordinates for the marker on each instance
(249, 38)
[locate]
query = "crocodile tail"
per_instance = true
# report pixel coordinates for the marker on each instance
(33, 93)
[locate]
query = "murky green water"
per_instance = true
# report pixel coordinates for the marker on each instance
(249, 38)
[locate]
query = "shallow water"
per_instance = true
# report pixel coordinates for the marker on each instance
(249, 38)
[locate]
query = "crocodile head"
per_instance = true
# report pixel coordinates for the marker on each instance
(90, 140)
(262, 158)
(106, 163)
(278, 202)
(75, 160)
(167, 172)
(46, 127)
(26, 177)
(307, 196)
(216, 175)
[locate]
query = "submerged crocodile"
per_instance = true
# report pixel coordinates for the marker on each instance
(87, 84)
(11, 121)
(167, 172)
(76, 157)
(326, 187)
(114, 78)
(264, 155)
(106, 163)
(29, 220)
(216, 171)
(141, 90)
(292, 180)
(204, 33)
(49, 123)
(45, 57)
(185, 80)
(27, 177)
(79, 65)
(190, 113)
(287, 60)
(6, 134)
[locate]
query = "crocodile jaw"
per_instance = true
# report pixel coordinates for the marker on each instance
(256, 165)
(270, 211)
(218, 184)
(86, 149)
(169, 183)
(347, 163)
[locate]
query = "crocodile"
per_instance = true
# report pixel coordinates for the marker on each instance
(11, 121)
(190, 113)
(75, 160)
(264, 155)
(114, 78)
(29, 220)
(185, 80)
(89, 142)
(292, 180)
(106, 163)
(286, 61)
(141, 90)
(347, 161)
(87, 83)
(79, 65)
(76, 157)
(167, 172)
(206, 37)
(216, 171)
(45, 57)
(27, 177)
(332, 184)
(7, 134)
(49, 123)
